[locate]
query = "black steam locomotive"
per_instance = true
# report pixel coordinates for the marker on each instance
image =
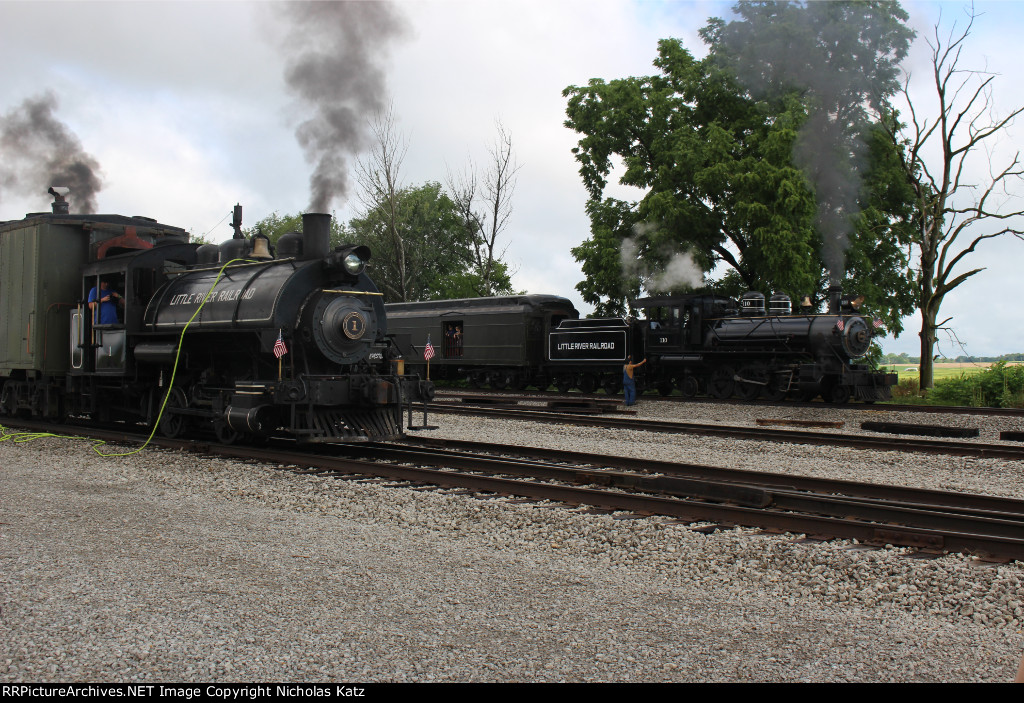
(122, 318)
(694, 343)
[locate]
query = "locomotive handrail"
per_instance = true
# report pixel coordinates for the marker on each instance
(353, 292)
(224, 267)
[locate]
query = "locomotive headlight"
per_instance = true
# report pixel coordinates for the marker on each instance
(348, 259)
(354, 265)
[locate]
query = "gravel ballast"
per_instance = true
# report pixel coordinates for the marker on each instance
(168, 566)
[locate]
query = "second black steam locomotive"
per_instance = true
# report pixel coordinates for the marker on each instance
(695, 343)
(121, 318)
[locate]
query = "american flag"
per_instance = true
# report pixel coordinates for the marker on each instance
(428, 351)
(279, 348)
(877, 324)
(840, 325)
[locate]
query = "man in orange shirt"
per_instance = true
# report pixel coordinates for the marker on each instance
(628, 385)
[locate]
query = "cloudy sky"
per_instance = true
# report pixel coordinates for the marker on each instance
(186, 109)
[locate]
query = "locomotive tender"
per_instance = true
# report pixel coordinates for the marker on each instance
(226, 337)
(698, 343)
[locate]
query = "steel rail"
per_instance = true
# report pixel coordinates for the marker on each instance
(542, 396)
(963, 502)
(766, 517)
(753, 433)
(690, 510)
(825, 502)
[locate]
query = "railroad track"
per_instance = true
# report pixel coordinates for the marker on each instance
(769, 434)
(932, 521)
(890, 407)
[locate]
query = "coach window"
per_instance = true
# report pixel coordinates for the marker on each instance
(453, 339)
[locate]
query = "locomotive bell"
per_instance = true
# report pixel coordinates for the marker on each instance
(261, 247)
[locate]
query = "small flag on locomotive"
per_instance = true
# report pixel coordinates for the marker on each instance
(279, 347)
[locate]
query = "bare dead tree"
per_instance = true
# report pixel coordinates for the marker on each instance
(378, 175)
(494, 197)
(953, 213)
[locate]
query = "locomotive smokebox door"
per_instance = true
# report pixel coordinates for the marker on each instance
(344, 328)
(856, 337)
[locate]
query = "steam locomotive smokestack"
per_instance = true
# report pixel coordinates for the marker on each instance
(316, 235)
(835, 293)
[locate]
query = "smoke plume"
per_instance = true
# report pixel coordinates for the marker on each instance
(335, 68)
(38, 151)
(842, 57)
(680, 271)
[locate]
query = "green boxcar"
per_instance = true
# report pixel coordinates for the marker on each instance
(40, 261)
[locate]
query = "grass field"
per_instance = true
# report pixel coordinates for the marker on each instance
(945, 370)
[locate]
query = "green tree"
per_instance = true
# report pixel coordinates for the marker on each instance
(437, 259)
(715, 160)
(716, 170)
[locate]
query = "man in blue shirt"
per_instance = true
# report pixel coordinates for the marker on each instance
(107, 300)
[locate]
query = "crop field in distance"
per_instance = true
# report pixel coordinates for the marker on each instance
(945, 370)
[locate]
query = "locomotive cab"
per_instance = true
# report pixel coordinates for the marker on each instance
(97, 324)
(101, 331)
(676, 324)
